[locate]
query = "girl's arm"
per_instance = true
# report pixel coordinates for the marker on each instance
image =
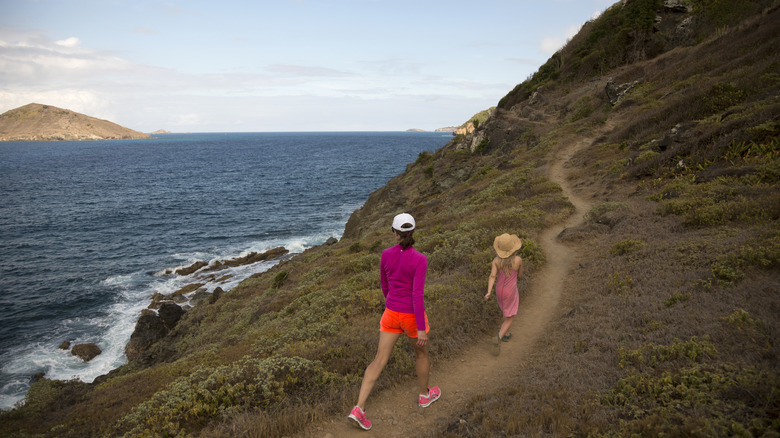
(518, 266)
(492, 278)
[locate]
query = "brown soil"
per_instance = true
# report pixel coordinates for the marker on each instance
(394, 411)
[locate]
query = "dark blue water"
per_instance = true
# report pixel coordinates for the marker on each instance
(87, 228)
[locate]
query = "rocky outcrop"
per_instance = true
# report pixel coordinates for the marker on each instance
(170, 314)
(36, 122)
(86, 352)
(153, 326)
(149, 329)
(249, 259)
(615, 93)
(677, 6)
(466, 129)
(192, 268)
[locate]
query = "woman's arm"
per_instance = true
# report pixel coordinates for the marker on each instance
(518, 266)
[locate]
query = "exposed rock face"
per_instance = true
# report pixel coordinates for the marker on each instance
(86, 351)
(466, 129)
(36, 122)
(676, 6)
(149, 329)
(153, 326)
(215, 295)
(616, 92)
(192, 268)
(249, 259)
(170, 314)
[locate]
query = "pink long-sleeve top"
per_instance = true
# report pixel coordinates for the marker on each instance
(403, 281)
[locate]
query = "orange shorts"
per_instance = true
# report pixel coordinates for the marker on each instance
(397, 322)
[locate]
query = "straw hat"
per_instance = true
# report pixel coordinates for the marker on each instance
(506, 244)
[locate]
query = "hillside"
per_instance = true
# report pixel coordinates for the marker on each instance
(36, 122)
(640, 165)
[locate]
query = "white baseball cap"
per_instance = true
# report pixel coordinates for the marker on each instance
(403, 222)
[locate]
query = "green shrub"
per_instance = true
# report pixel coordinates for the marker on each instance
(583, 108)
(222, 392)
(279, 279)
(646, 156)
(677, 298)
(482, 145)
(598, 212)
(626, 246)
(619, 283)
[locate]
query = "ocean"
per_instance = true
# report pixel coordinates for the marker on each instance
(89, 229)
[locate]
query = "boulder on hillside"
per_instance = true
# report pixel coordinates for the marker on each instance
(149, 329)
(170, 314)
(198, 297)
(87, 351)
(215, 295)
(615, 92)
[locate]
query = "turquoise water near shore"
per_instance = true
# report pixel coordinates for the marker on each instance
(88, 229)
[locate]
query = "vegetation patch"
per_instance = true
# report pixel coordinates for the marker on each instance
(673, 389)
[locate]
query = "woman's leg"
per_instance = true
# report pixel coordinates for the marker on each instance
(374, 369)
(422, 365)
(505, 326)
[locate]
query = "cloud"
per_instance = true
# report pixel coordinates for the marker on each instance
(69, 42)
(306, 71)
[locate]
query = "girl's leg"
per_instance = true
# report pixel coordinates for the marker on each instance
(505, 326)
(422, 365)
(374, 369)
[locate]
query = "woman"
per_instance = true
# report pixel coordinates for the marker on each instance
(402, 274)
(506, 268)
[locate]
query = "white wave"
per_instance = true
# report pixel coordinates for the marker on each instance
(111, 331)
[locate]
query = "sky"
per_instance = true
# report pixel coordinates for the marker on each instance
(280, 65)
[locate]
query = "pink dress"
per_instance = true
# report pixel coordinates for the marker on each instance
(506, 293)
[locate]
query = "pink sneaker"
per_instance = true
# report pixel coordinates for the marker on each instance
(433, 395)
(359, 416)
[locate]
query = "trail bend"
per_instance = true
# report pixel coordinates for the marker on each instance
(394, 411)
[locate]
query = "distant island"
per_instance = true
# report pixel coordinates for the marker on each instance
(160, 131)
(447, 129)
(37, 122)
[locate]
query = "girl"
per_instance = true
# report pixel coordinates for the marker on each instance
(506, 269)
(402, 275)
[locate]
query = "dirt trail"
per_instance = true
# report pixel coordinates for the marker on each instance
(394, 411)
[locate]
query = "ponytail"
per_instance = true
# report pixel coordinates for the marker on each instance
(406, 239)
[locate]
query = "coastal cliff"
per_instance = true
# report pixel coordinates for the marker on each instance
(36, 122)
(639, 166)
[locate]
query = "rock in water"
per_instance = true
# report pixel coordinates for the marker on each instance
(86, 351)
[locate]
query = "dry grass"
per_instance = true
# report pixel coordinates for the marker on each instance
(668, 325)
